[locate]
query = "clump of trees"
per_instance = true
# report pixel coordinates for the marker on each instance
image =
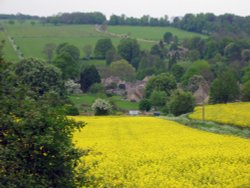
(36, 146)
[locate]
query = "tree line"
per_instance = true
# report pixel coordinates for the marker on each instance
(204, 23)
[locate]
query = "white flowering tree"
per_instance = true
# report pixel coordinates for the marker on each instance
(101, 107)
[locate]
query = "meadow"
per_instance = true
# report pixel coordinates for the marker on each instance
(237, 114)
(31, 39)
(151, 152)
(84, 101)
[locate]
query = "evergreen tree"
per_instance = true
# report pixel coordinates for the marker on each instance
(88, 77)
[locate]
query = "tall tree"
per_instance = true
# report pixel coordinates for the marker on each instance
(163, 82)
(67, 60)
(102, 47)
(123, 70)
(36, 146)
(129, 49)
(88, 77)
(224, 88)
(48, 50)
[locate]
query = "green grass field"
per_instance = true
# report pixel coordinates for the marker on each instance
(151, 33)
(83, 102)
(31, 39)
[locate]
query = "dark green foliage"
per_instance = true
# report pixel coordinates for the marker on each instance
(111, 56)
(67, 60)
(224, 88)
(232, 51)
(39, 77)
(102, 47)
(77, 18)
(223, 25)
(168, 37)
(72, 50)
(129, 49)
(72, 110)
(123, 70)
(246, 73)
(181, 103)
(144, 105)
(158, 98)
(163, 82)
(88, 77)
(245, 92)
(200, 67)
(97, 88)
(36, 148)
(177, 71)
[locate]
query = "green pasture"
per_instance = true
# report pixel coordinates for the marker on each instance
(31, 39)
(151, 33)
(84, 101)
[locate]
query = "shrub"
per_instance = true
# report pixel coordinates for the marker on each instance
(101, 107)
(145, 105)
(181, 103)
(72, 110)
(245, 93)
(96, 88)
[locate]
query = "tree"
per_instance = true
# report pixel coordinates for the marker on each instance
(101, 107)
(48, 50)
(102, 47)
(111, 56)
(181, 102)
(88, 77)
(245, 55)
(178, 71)
(224, 88)
(97, 88)
(163, 82)
(245, 92)
(195, 82)
(144, 105)
(168, 37)
(246, 73)
(129, 49)
(67, 60)
(232, 51)
(158, 98)
(200, 67)
(39, 77)
(36, 146)
(72, 50)
(123, 70)
(87, 49)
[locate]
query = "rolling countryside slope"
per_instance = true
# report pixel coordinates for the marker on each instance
(32, 38)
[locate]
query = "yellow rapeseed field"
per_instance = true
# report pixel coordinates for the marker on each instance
(149, 152)
(233, 114)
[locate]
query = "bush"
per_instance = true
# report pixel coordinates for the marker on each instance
(245, 92)
(145, 105)
(158, 98)
(72, 110)
(181, 103)
(101, 107)
(97, 88)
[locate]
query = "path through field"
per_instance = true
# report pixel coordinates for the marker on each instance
(151, 152)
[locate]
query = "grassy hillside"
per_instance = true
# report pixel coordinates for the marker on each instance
(151, 33)
(32, 38)
(151, 152)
